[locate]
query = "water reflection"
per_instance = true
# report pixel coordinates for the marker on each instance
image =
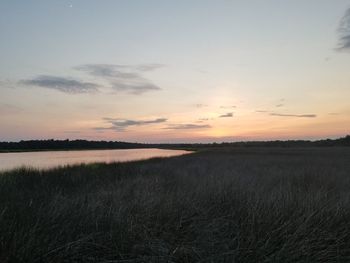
(49, 159)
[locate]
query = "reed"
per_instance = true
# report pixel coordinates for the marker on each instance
(219, 205)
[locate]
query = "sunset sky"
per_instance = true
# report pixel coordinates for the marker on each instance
(174, 71)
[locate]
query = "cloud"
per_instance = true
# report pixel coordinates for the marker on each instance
(149, 67)
(115, 70)
(100, 129)
(122, 124)
(227, 115)
(227, 107)
(261, 111)
(200, 105)
(294, 115)
(123, 77)
(106, 70)
(188, 126)
(344, 32)
(66, 85)
(279, 105)
(135, 86)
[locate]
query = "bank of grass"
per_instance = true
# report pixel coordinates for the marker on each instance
(226, 205)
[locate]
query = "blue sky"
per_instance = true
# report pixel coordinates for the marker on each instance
(167, 70)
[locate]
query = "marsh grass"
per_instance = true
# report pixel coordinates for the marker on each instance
(223, 205)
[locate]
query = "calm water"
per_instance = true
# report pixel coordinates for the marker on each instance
(44, 160)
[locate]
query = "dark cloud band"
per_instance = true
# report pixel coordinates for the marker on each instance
(122, 124)
(123, 78)
(294, 115)
(344, 32)
(120, 78)
(66, 85)
(227, 115)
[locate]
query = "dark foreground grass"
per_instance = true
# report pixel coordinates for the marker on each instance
(228, 205)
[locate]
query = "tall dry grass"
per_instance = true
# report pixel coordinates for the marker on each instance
(226, 205)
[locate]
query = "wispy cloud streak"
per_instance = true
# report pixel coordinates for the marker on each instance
(227, 107)
(123, 78)
(294, 115)
(227, 115)
(122, 124)
(187, 126)
(66, 85)
(344, 32)
(200, 105)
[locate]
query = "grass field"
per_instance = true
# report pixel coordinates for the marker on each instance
(223, 205)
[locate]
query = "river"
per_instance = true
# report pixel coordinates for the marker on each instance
(50, 159)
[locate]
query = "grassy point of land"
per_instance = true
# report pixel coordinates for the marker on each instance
(220, 205)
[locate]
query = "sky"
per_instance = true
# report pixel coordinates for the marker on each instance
(174, 71)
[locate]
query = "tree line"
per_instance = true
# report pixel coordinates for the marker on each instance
(84, 144)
